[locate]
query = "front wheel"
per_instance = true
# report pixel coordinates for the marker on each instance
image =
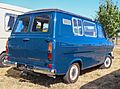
(107, 62)
(72, 74)
(3, 59)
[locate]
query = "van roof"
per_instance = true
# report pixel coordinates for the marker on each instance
(57, 10)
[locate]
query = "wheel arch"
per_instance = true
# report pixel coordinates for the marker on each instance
(79, 61)
(2, 52)
(111, 55)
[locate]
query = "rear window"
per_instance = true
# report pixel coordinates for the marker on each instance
(41, 24)
(89, 29)
(22, 24)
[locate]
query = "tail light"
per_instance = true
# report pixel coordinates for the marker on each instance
(50, 47)
(7, 47)
(50, 66)
(50, 56)
(7, 58)
(50, 51)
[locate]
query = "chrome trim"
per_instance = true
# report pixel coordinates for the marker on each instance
(9, 63)
(35, 69)
(44, 71)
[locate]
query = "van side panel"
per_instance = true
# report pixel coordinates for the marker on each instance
(91, 51)
(70, 47)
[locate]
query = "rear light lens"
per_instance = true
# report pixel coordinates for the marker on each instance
(50, 47)
(7, 58)
(50, 51)
(50, 56)
(50, 66)
(7, 47)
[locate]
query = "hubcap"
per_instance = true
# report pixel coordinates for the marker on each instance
(4, 60)
(107, 62)
(73, 72)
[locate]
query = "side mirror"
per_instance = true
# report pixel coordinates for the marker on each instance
(8, 29)
(112, 39)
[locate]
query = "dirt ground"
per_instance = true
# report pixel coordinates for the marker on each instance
(10, 78)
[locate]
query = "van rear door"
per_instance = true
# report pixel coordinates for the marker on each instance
(39, 38)
(17, 40)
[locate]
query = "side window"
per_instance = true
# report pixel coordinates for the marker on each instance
(77, 26)
(41, 24)
(100, 32)
(80, 26)
(22, 24)
(9, 21)
(89, 29)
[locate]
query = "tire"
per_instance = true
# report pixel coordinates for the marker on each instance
(107, 63)
(3, 57)
(72, 74)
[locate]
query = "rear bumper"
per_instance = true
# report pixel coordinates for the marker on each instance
(33, 68)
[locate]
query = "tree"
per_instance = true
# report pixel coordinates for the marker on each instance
(109, 16)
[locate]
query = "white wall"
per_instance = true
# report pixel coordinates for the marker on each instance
(5, 8)
(14, 8)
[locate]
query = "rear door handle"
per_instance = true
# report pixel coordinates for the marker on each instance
(26, 39)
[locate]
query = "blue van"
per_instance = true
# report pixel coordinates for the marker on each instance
(56, 42)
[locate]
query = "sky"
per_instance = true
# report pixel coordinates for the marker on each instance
(87, 8)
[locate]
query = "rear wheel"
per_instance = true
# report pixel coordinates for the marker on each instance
(107, 62)
(3, 59)
(73, 73)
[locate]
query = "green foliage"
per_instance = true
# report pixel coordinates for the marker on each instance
(109, 16)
